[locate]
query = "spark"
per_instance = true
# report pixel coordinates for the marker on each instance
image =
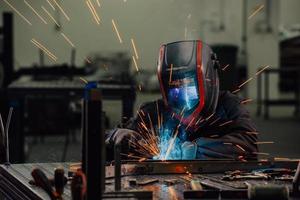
(245, 82)
(182, 111)
(44, 49)
(200, 120)
(252, 132)
(236, 91)
(116, 30)
(266, 142)
(142, 112)
(214, 121)
(46, 11)
(135, 64)
(261, 153)
(35, 12)
(140, 87)
(88, 60)
(246, 101)
(158, 117)
(67, 39)
(93, 11)
(142, 159)
(22, 16)
(209, 117)
(227, 143)
(176, 68)
(225, 123)
(83, 80)
(224, 68)
(189, 124)
(51, 5)
(260, 71)
(98, 3)
(132, 156)
(241, 148)
(62, 10)
(134, 49)
(256, 11)
(213, 136)
(170, 77)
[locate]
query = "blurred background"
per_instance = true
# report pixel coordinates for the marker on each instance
(47, 45)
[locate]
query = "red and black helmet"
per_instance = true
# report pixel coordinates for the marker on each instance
(188, 78)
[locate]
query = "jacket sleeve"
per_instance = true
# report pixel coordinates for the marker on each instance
(238, 134)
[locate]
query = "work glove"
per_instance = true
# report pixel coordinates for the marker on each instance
(208, 148)
(189, 150)
(123, 137)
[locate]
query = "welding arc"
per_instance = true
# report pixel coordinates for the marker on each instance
(62, 10)
(43, 48)
(93, 11)
(35, 12)
(51, 17)
(171, 143)
(22, 16)
(116, 30)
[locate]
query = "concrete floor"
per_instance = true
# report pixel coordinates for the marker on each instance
(282, 128)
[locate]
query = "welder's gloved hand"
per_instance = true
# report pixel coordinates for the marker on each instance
(122, 136)
(208, 148)
(189, 150)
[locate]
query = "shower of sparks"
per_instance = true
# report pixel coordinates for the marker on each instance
(260, 71)
(22, 16)
(98, 3)
(134, 49)
(67, 39)
(225, 123)
(93, 11)
(267, 142)
(83, 80)
(171, 70)
(44, 49)
(51, 5)
(51, 17)
(245, 82)
(256, 11)
(116, 30)
(246, 101)
(226, 66)
(236, 91)
(135, 64)
(241, 148)
(62, 10)
(35, 12)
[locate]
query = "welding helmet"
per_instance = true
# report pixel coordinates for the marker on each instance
(188, 78)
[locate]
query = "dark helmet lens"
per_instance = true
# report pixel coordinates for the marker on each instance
(183, 97)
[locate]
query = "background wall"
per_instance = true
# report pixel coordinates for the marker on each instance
(151, 23)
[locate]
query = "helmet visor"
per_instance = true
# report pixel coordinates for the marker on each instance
(183, 95)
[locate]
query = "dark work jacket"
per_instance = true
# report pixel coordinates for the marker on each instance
(229, 133)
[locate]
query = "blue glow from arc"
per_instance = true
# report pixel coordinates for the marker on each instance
(166, 133)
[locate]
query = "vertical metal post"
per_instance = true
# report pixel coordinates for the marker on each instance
(117, 152)
(94, 155)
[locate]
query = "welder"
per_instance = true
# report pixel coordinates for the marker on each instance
(205, 123)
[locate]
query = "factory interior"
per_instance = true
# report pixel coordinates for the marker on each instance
(76, 78)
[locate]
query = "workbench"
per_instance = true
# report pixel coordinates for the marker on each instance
(18, 91)
(14, 178)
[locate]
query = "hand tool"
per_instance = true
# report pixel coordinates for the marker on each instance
(78, 186)
(42, 181)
